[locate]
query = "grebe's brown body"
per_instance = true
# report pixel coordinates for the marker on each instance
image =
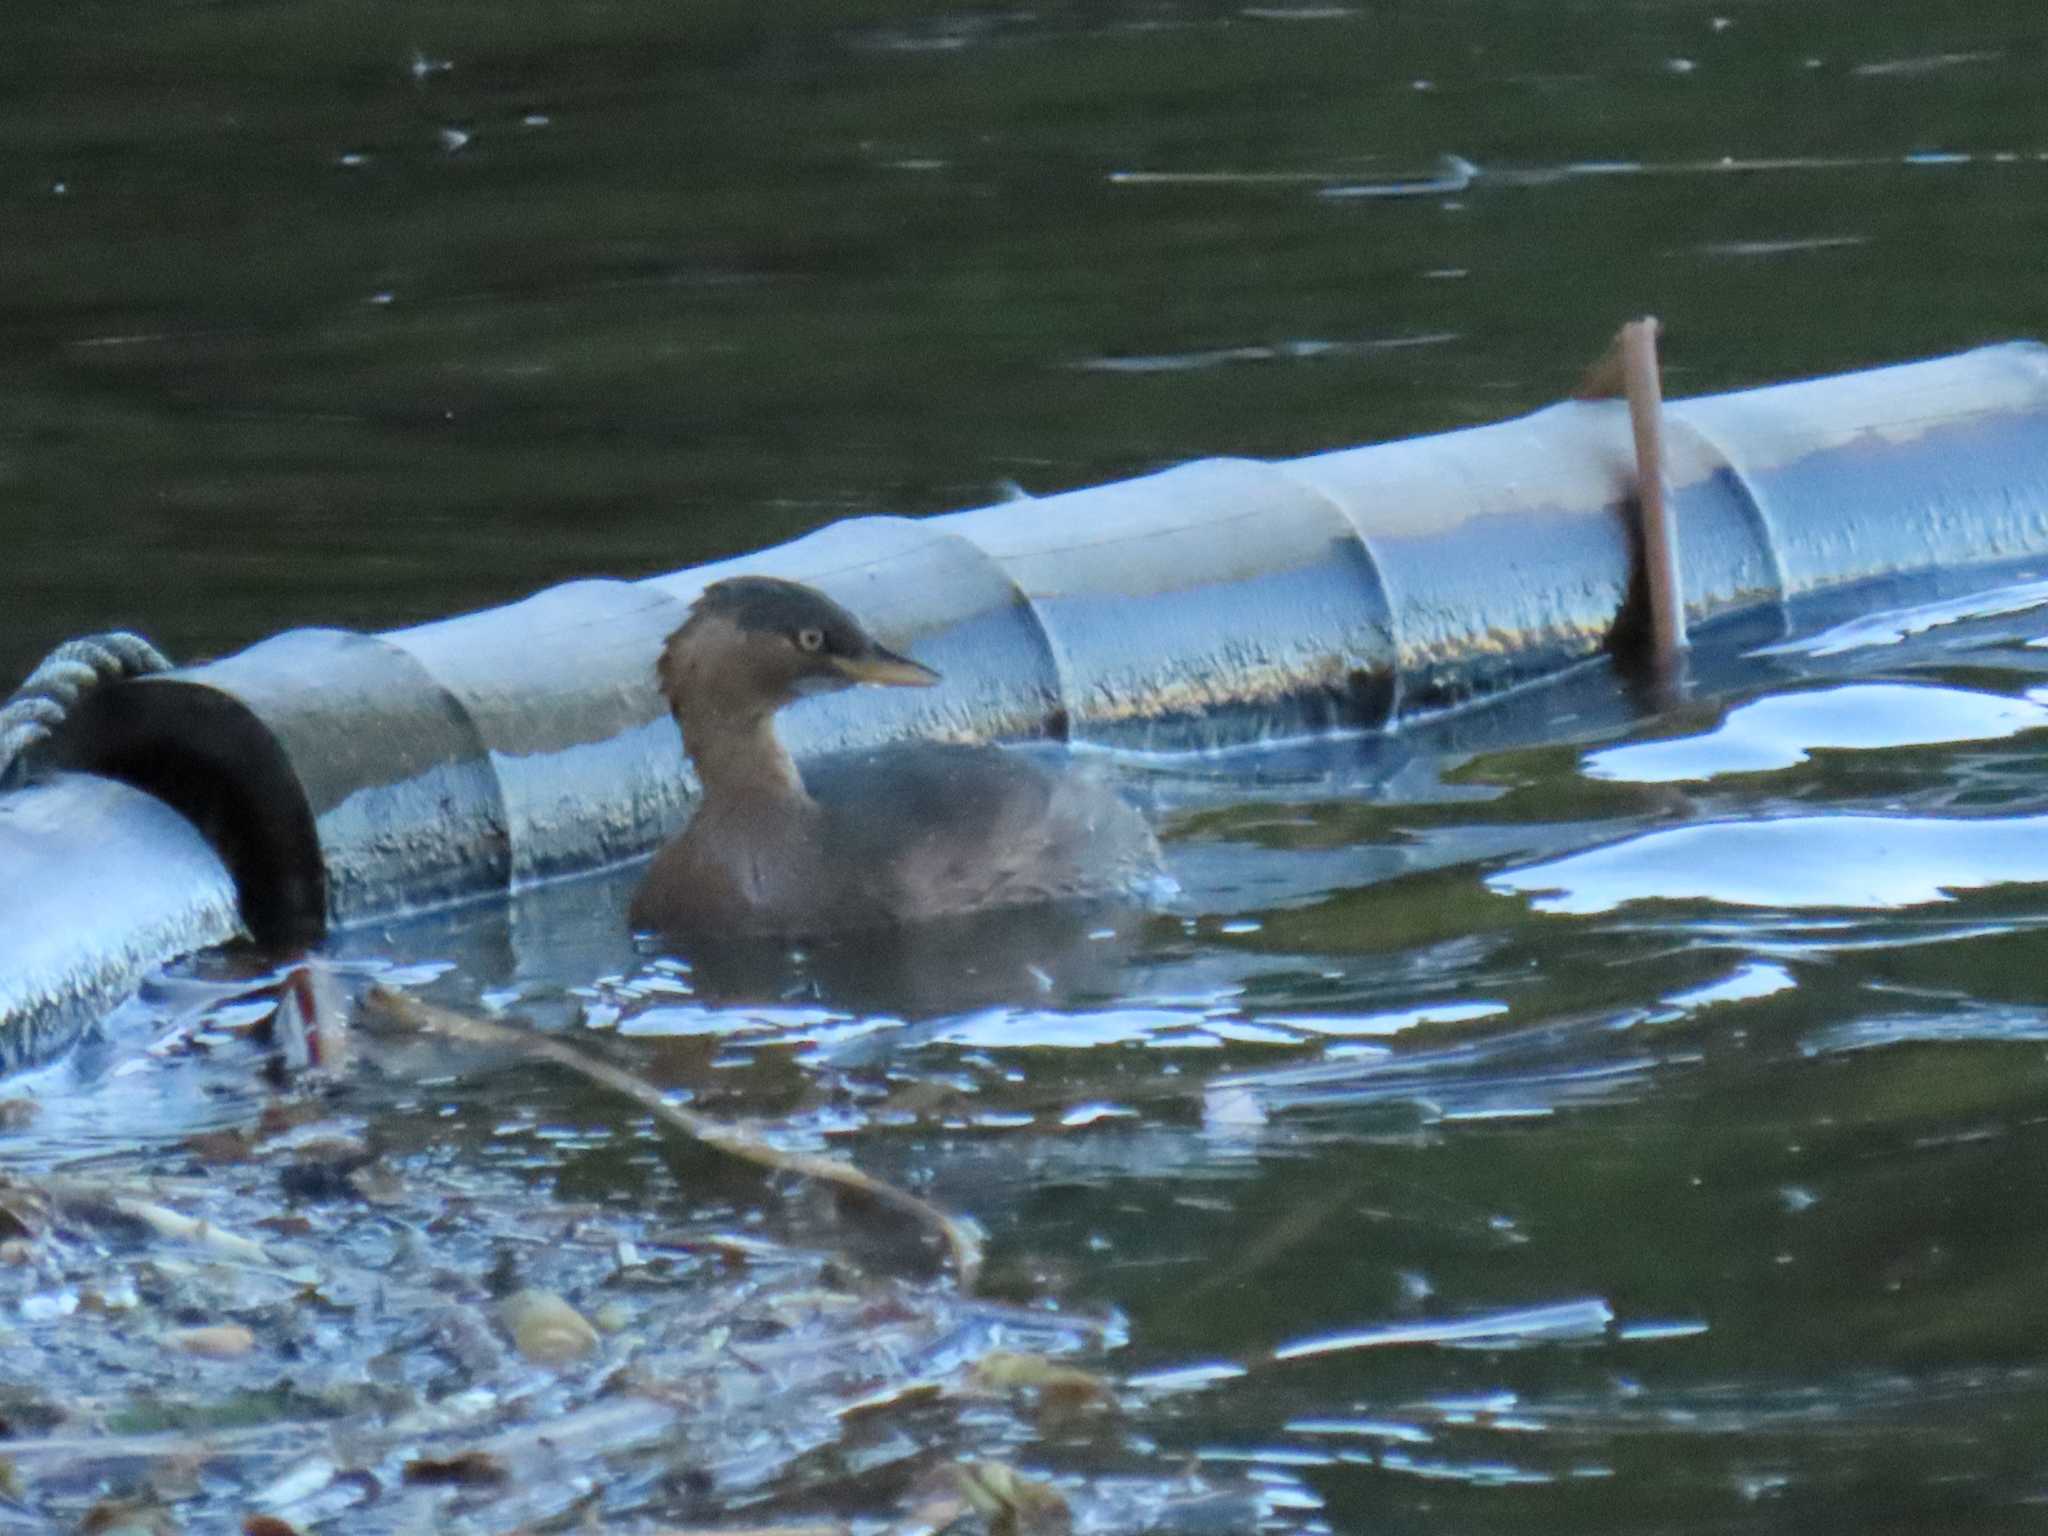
(899, 835)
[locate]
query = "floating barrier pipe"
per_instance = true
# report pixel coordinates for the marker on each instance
(98, 882)
(344, 777)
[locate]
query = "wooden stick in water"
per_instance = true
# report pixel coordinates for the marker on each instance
(1643, 384)
(962, 1246)
(1630, 370)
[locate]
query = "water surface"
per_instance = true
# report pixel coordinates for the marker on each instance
(1565, 1117)
(367, 315)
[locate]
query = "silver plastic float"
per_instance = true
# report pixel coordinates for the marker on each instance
(346, 777)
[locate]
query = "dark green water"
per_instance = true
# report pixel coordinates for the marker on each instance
(696, 279)
(1734, 1054)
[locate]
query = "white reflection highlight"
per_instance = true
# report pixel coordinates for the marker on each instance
(1481, 1474)
(1840, 861)
(1759, 978)
(1785, 729)
(1186, 1378)
(1355, 1025)
(1018, 1028)
(1369, 1429)
(1924, 64)
(1553, 1323)
(1963, 1024)
(1090, 1113)
(1677, 1328)
(1894, 625)
(1232, 1112)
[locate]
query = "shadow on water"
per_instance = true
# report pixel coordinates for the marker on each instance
(1579, 1114)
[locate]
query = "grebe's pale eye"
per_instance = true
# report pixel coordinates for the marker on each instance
(812, 639)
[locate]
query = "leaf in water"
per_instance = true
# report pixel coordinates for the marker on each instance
(139, 1516)
(1013, 1505)
(1061, 1388)
(547, 1330)
(217, 1341)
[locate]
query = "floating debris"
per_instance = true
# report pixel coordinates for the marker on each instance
(962, 1245)
(372, 1360)
(218, 1341)
(546, 1329)
(1012, 1504)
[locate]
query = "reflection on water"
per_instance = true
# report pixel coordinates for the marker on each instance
(1888, 627)
(1758, 978)
(1786, 729)
(1867, 862)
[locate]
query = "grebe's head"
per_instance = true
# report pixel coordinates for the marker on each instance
(753, 643)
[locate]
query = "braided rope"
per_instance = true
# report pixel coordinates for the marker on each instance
(35, 709)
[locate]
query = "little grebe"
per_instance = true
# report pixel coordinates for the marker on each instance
(897, 835)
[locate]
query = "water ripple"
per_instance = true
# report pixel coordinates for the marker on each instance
(1786, 729)
(1850, 861)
